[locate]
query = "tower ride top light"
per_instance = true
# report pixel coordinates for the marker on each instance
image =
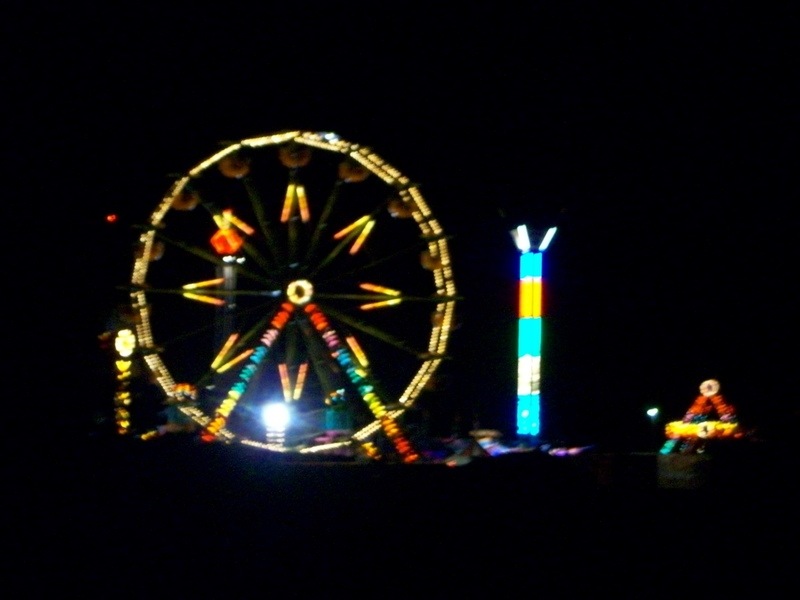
(548, 237)
(529, 349)
(521, 238)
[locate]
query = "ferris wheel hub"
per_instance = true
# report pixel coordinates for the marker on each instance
(300, 291)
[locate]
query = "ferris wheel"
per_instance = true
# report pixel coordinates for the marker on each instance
(299, 274)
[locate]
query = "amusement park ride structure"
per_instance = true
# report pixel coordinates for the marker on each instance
(529, 343)
(294, 292)
(691, 434)
(294, 274)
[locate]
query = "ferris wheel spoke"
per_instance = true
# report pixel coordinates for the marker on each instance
(361, 379)
(249, 337)
(236, 347)
(292, 343)
(187, 334)
(277, 323)
(375, 332)
(293, 241)
(211, 294)
(322, 362)
(322, 222)
(258, 257)
(263, 222)
(381, 300)
(254, 277)
(354, 234)
(213, 259)
(294, 361)
(337, 250)
(190, 248)
(414, 249)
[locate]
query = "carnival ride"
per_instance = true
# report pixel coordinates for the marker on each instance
(295, 274)
(691, 434)
(529, 341)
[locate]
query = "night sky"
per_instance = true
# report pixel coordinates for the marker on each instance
(659, 138)
(658, 141)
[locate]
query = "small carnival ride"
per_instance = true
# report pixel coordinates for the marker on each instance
(709, 417)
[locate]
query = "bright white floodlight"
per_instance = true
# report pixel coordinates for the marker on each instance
(275, 416)
(521, 238)
(548, 237)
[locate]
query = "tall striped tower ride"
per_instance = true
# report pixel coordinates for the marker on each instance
(529, 355)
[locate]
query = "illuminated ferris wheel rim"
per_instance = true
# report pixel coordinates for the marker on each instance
(299, 292)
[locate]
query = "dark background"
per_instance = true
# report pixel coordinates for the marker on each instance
(658, 139)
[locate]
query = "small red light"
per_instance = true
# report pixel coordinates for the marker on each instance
(111, 218)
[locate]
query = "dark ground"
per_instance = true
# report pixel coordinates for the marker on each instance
(142, 519)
